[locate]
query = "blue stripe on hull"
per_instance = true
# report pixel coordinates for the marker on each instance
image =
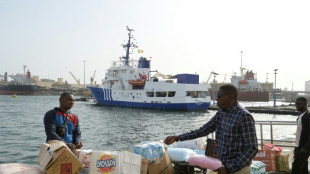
(104, 97)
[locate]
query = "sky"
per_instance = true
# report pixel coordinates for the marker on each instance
(53, 38)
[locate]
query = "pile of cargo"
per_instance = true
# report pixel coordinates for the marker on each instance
(273, 158)
(144, 158)
(56, 158)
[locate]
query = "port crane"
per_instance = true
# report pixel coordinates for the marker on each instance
(92, 78)
(77, 80)
(211, 75)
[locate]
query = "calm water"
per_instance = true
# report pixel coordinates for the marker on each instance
(103, 128)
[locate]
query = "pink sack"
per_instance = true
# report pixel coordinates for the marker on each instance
(277, 150)
(268, 146)
(205, 162)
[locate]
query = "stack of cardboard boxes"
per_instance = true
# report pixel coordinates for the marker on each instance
(56, 158)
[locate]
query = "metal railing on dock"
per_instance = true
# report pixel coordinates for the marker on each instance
(271, 124)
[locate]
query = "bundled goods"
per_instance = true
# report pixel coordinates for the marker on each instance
(282, 163)
(180, 154)
(196, 144)
(272, 157)
(205, 162)
(270, 146)
(163, 165)
(258, 167)
(200, 152)
(268, 158)
(149, 150)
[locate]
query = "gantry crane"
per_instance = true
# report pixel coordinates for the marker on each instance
(77, 80)
(92, 78)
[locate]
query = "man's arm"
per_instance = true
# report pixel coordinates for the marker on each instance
(49, 125)
(250, 145)
(204, 130)
(77, 134)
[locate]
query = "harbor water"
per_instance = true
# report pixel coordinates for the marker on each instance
(103, 128)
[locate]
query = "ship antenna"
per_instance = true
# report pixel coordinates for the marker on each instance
(241, 69)
(128, 45)
(24, 69)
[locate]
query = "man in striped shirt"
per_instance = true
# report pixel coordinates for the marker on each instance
(236, 141)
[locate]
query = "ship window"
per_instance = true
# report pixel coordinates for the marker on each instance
(197, 94)
(203, 94)
(192, 94)
(161, 93)
(150, 94)
(171, 93)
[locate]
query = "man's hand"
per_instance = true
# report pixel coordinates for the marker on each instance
(79, 145)
(171, 139)
(221, 170)
(71, 147)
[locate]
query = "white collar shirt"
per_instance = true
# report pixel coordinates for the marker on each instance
(299, 128)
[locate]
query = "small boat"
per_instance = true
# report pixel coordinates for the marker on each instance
(81, 99)
(138, 82)
(13, 96)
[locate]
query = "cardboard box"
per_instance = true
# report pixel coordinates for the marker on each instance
(130, 162)
(268, 158)
(56, 158)
(144, 165)
(77, 152)
(162, 166)
(85, 157)
(105, 162)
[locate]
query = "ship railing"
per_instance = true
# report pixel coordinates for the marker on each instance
(269, 128)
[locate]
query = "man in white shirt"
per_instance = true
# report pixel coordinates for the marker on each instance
(302, 149)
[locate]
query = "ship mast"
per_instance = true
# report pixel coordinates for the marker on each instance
(128, 45)
(241, 68)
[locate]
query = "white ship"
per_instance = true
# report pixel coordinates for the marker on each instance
(129, 83)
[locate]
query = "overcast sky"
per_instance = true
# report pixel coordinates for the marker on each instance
(182, 36)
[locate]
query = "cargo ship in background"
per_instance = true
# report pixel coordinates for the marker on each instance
(129, 83)
(249, 89)
(22, 84)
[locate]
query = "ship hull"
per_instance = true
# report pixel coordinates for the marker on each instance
(254, 96)
(262, 96)
(19, 89)
(105, 97)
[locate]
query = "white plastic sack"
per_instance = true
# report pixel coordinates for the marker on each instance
(180, 154)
